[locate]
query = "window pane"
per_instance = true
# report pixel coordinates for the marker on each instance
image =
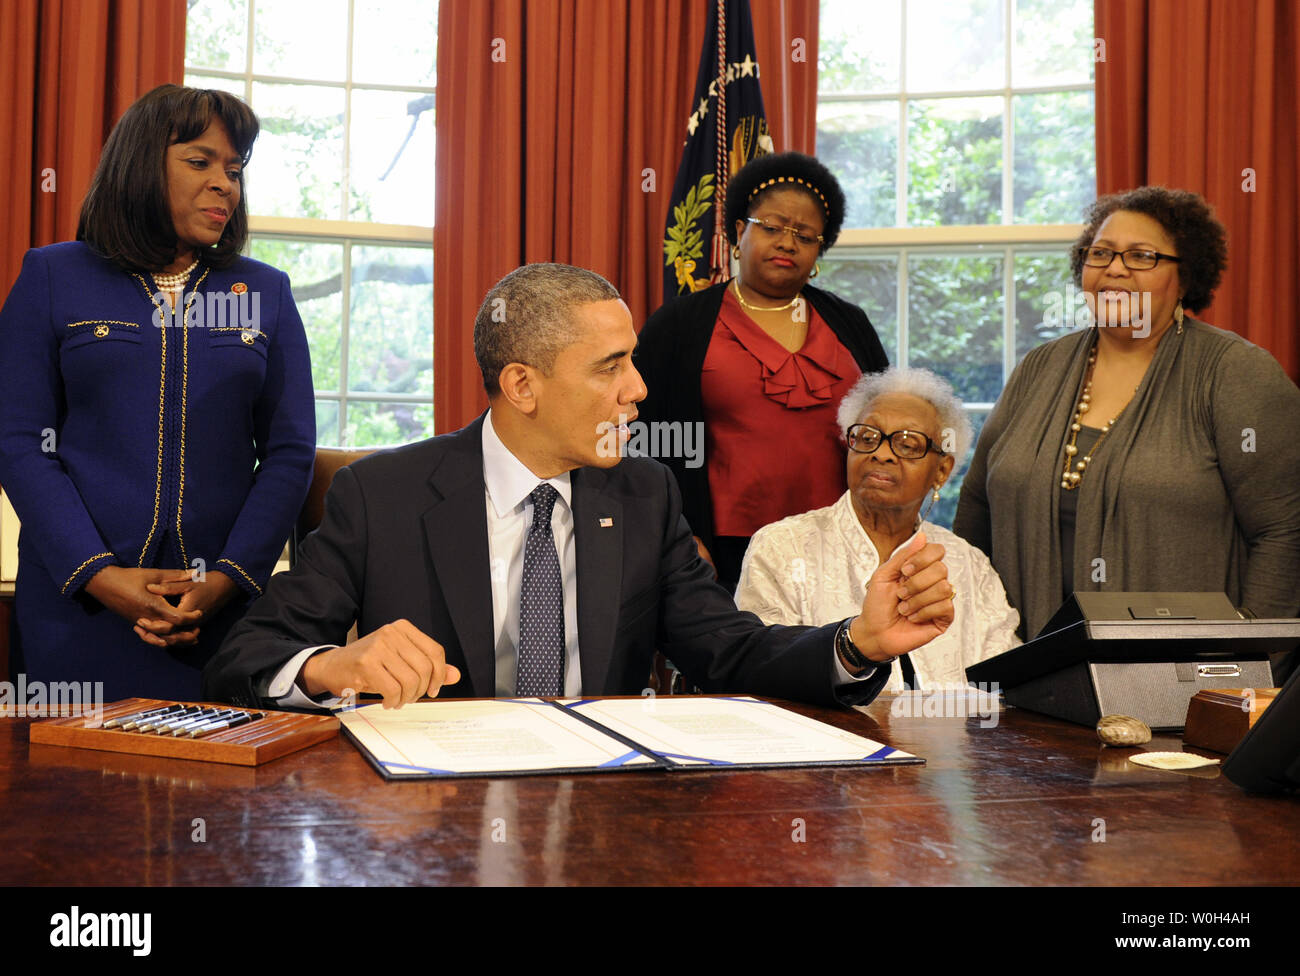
(1047, 303)
(858, 46)
(327, 424)
(954, 307)
(390, 164)
(386, 424)
(858, 142)
(233, 85)
(216, 34)
(395, 42)
(1054, 43)
(299, 40)
(946, 508)
(1054, 160)
(955, 45)
(390, 345)
(871, 284)
(297, 168)
(954, 161)
(315, 275)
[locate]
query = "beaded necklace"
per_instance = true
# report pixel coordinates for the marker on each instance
(174, 282)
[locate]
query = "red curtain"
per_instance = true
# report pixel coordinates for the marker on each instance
(560, 124)
(69, 70)
(1204, 95)
(785, 34)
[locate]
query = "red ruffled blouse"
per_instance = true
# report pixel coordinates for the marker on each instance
(771, 440)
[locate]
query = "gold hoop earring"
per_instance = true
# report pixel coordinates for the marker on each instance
(817, 269)
(735, 251)
(934, 500)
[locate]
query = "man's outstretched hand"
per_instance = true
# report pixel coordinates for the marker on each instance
(908, 603)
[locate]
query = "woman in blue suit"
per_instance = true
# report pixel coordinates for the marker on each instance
(157, 424)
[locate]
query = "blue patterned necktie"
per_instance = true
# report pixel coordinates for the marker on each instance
(541, 605)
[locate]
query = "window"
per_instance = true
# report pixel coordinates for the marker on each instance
(340, 189)
(963, 134)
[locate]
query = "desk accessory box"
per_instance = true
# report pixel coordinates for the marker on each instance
(1139, 654)
(1219, 718)
(273, 735)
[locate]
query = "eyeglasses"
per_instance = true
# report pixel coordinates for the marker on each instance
(1135, 259)
(909, 444)
(773, 231)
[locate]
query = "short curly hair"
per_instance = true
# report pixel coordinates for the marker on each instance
(789, 170)
(1199, 238)
(913, 381)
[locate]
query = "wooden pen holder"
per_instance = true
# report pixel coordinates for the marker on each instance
(273, 735)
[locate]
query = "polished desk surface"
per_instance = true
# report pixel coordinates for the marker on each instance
(1025, 802)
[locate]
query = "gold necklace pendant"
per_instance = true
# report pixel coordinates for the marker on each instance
(735, 287)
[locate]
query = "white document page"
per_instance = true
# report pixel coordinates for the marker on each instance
(482, 737)
(731, 731)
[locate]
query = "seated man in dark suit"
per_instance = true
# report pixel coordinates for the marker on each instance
(522, 556)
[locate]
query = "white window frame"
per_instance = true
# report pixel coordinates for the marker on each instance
(346, 233)
(956, 240)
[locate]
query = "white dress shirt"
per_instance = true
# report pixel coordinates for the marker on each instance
(813, 569)
(507, 485)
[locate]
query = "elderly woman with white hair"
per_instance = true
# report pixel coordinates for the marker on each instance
(905, 429)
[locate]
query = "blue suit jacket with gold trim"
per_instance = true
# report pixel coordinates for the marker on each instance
(130, 438)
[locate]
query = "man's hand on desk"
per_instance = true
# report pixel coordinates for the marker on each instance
(397, 661)
(908, 603)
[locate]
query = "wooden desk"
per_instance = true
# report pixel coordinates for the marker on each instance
(1018, 804)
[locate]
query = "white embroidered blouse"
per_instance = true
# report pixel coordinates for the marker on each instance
(813, 569)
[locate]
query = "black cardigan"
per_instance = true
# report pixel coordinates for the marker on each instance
(670, 357)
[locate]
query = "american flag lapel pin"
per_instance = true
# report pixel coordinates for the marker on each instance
(607, 523)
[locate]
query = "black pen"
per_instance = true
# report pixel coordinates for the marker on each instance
(201, 715)
(230, 716)
(219, 715)
(155, 723)
(204, 730)
(140, 716)
(122, 719)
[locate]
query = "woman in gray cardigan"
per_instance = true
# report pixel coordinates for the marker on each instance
(1151, 451)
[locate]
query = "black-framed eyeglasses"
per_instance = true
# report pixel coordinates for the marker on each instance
(1135, 258)
(773, 231)
(909, 444)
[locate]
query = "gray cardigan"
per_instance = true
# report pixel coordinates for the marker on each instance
(1197, 487)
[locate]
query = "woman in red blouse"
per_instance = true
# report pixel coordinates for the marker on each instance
(761, 362)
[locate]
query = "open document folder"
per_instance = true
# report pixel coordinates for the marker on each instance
(513, 737)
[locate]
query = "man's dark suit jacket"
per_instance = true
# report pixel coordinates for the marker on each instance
(404, 535)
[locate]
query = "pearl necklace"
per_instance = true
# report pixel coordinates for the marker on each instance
(174, 282)
(735, 286)
(1070, 479)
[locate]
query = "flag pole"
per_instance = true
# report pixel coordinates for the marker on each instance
(721, 258)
